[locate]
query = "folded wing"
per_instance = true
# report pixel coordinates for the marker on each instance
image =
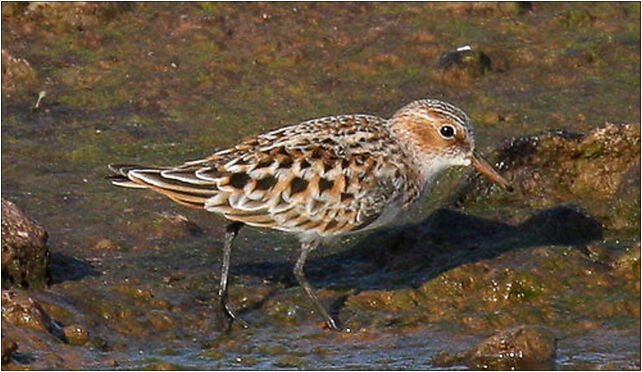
(319, 176)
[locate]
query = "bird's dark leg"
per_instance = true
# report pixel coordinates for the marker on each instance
(224, 308)
(307, 247)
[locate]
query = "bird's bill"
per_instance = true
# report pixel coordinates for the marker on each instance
(487, 170)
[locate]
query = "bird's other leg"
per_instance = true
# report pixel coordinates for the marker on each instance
(225, 310)
(307, 247)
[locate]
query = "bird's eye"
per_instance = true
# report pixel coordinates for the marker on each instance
(447, 131)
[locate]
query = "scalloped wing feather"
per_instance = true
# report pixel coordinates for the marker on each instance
(322, 176)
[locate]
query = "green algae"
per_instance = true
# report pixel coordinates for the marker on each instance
(164, 83)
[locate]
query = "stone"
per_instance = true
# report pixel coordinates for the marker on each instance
(25, 257)
(520, 347)
(20, 309)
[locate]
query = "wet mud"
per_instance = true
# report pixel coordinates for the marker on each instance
(546, 277)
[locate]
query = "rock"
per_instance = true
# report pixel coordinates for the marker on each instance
(80, 14)
(75, 334)
(626, 202)
(514, 348)
(25, 256)
(287, 361)
(521, 347)
(8, 347)
(16, 72)
(21, 310)
(557, 166)
(464, 60)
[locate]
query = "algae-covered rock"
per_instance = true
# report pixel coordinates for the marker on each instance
(521, 347)
(21, 310)
(75, 334)
(514, 348)
(464, 62)
(291, 361)
(562, 167)
(81, 14)
(159, 83)
(24, 252)
(626, 201)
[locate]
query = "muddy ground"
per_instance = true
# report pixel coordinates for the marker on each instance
(547, 277)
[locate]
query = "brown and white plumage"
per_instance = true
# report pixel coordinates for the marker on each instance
(322, 177)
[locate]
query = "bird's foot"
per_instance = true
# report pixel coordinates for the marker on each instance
(226, 316)
(331, 325)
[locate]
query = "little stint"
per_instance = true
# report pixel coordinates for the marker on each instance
(321, 178)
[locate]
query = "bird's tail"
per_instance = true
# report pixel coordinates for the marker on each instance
(119, 176)
(167, 181)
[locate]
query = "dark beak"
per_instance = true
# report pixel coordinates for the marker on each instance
(482, 166)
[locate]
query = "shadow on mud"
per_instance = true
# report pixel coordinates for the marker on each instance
(412, 254)
(63, 267)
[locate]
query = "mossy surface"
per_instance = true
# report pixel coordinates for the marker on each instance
(135, 276)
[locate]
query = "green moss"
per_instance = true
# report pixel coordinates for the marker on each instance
(237, 72)
(155, 364)
(574, 18)
(212, 354)
(514, 286)
(246, 360)
(290, 361)
(272, 349)
(75, 334)
(168, 351)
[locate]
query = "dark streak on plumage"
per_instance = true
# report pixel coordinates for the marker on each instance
(325, 184)
(264, 163)
(345, 196)
(266, 183)
(298, 185)
(239, 180)
(286, 163)
(317, 153)
(327, 166)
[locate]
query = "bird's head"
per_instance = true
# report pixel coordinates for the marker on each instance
(439, 135)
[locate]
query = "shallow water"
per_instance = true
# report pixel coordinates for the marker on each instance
(164, 83)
